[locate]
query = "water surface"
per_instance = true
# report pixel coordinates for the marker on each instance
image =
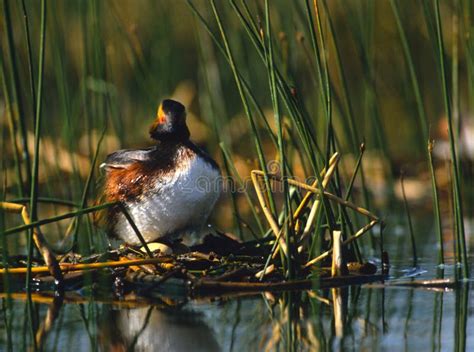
(366, 317)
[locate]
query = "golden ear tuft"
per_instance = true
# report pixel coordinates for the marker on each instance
(160, 115)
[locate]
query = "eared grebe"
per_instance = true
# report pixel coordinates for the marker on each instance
(169, 189)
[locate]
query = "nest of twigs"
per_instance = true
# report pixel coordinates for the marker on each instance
(220, 264)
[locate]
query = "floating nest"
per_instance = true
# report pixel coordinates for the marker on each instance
(219, 265)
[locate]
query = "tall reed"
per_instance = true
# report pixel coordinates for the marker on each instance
(423, 124)
(243, 97)
(38, 119)
(458, 206)
(17, 102)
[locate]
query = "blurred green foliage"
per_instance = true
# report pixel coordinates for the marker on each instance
(109, 63)
(137, 52)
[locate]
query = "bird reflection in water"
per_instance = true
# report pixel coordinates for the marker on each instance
(155, 329)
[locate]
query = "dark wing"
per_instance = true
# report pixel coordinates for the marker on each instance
(122, 159)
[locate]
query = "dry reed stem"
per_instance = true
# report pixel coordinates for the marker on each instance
(339, 311)
(330, 196)
(338, 266)
(266, 211)
(268, 214)
(262, 273)
(38, 238)
(334, 159)
(323, 300)
(317, 204)
(312, 189)
(351, 205)
(349, 240)
(89, 266)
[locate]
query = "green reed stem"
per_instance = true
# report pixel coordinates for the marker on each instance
(129, 218)
(364, 41)
(233, 197)
(460, 234)
(56, 218)
(411, 70)
(437, 321)
(321, 59)
(47, 200)
(455, 73)
(242, 185)
(353, 129)
(69, 127)
(243, 97)
(348, 103)
(461, 317)
(35, 169)
(281, 150)
(438, 224)
(304, 128)
(324, 83)
(32, 322)
(73, 227)
(410, 223)
(12, 128)
(272, 252)
(347, 196)
(7, 323)
(17, 98)
(423, 122)
(323, 80)
(29, 51)
(296, 111)
(356, 170)
(245, 84)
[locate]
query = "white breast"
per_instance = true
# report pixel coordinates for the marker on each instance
(180, 202)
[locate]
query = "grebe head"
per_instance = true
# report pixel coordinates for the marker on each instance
(170, 122)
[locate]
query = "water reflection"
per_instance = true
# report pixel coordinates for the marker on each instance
(392, 318)
(155, 329)
(48, 321)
